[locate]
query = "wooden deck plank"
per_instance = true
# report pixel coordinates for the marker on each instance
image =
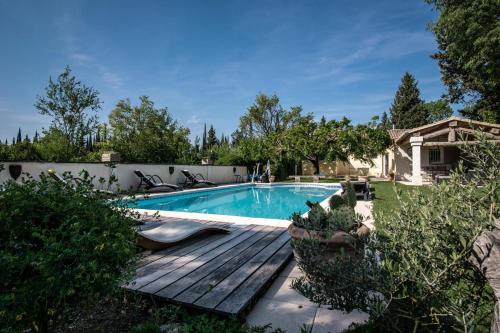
(218, 293)
(184, 248)
(196, 240)
(171, 262)
(189, 292)
(247, 291)
(246, 239)
(207, 243)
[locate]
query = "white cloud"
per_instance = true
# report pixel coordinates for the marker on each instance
(193, 120)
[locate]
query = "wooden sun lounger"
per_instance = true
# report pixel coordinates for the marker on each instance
(171, 233)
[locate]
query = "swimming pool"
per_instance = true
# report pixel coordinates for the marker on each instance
(277, 201)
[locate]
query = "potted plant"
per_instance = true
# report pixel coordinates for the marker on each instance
(392, 176)
(335, 230)
(363, 174)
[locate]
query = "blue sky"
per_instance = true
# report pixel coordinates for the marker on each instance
(206, 60)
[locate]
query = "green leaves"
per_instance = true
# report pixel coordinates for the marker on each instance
(147, 134)
(467, 36)
(418, 258)
(59, 246)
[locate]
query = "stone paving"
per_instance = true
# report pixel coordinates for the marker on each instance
(283, 307)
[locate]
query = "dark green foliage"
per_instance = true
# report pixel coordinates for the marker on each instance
(19, 136)
(437, 110)
(146, 134)
(318, 219)
(178, 319)
(385, 123)
(419, 258)
(59, 246)
(349, 195)
(407, 109)
(68, 102)
(212, 138)
(336, 201)
(469, 53)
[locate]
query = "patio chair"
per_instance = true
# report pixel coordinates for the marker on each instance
(68, 181)
(154, 184)
(171, 233)
(195, 180)
(362, 188)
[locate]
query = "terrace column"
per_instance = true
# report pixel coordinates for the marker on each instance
(416, 144)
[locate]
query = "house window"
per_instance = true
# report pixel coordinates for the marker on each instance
(435, 156)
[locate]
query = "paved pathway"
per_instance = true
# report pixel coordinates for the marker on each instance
(283, 307)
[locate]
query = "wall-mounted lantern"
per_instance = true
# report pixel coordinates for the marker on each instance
(171, 170)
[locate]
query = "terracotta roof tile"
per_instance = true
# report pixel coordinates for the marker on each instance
(396, 133)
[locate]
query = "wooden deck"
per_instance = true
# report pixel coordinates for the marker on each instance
(220, 273)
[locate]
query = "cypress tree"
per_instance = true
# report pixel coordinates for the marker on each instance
(212, 138)
(385, 122)
(13, 140)
(204, 139)
(19, 136)
(26, 138)
(407, 109)
(35, 138)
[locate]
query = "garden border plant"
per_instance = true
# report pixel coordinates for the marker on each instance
(416, 274)
(61, 245)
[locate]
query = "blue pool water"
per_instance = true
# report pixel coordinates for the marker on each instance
(276, 202)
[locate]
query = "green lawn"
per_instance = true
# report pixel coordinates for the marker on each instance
(385, 199)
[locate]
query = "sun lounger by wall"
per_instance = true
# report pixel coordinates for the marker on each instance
(58, 178)
(154, 184)
(195, 180)
(171, 233)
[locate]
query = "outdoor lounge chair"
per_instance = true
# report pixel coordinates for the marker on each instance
(67, 181)
(195, 180)
(170, 233)
(362, 188)
(154, 184)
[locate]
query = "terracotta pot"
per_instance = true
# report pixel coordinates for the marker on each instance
(272, 179)
(363, 178)
(335, 242)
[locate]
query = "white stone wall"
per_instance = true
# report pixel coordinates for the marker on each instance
(124, 172)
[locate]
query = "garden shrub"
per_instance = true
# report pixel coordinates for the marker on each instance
(349, 195)
(318, 219)
(336, 201)
(60, 246)
(417, 274)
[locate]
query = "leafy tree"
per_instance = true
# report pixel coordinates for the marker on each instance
(147, 134)
(406, 109)
(54, 146)
(60, 246)
(418, 273)
(437, 110)
(68, 102)
(334, 141)
(266, 116)
(469, 54)
(22, 151)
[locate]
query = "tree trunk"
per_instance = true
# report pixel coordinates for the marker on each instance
(314, 159)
